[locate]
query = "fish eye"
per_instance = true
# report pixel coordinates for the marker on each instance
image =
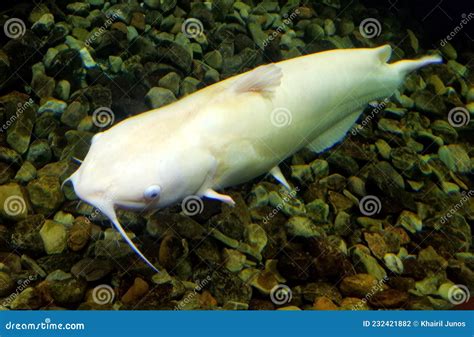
(152, 192)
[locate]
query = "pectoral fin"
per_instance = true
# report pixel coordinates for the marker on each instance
(210, 193)
(264, 79)
(276, 173)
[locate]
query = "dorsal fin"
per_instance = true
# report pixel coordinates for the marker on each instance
(264, 79)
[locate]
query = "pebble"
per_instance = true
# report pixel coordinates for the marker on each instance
(158, 97)
(455, 158)
(45, 194)
(136, 291)
(360, 285)
(79, 234)
(53, 235)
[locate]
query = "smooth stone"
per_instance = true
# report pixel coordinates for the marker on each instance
(26, 172)
(53, 235)
(158, 97)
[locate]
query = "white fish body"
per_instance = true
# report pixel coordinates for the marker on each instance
(235, 130)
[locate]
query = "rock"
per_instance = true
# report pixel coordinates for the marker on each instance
(302, 173)
(361, 285)
(304, 227)
(154, 4)
(429, 102)
(318, 210)
(45, 194)
(62, 90)
(158, 97)
(136, 291)
(28, 299)
(389, 298)
(39, 153)
(189, 85)
(410, 221)
(6, 284)
(324, 303)
(79, 234)
(312, 291)
(455, 158)
(44, 24)
(64, 288)
(74, 113)
(26, 235)
(234, 260)
(256, 237)
(6, 173)
(92, 269)
(53, 235)
(115, 63)
(14, 204)
(170, 81)
(55, 106)
(393, 263)
(366, 263)
(214, 59)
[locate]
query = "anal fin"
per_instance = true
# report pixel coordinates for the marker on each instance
(334, 134)
(276, 173)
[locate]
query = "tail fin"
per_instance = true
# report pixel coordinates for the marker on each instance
(406, 66)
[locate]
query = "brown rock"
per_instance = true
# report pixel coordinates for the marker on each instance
(136, 291)
(324, 303)
(79, 234)
(361, 285)
(390, 298)
(377, 244)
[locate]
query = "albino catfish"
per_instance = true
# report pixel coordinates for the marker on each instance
(234, 130)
